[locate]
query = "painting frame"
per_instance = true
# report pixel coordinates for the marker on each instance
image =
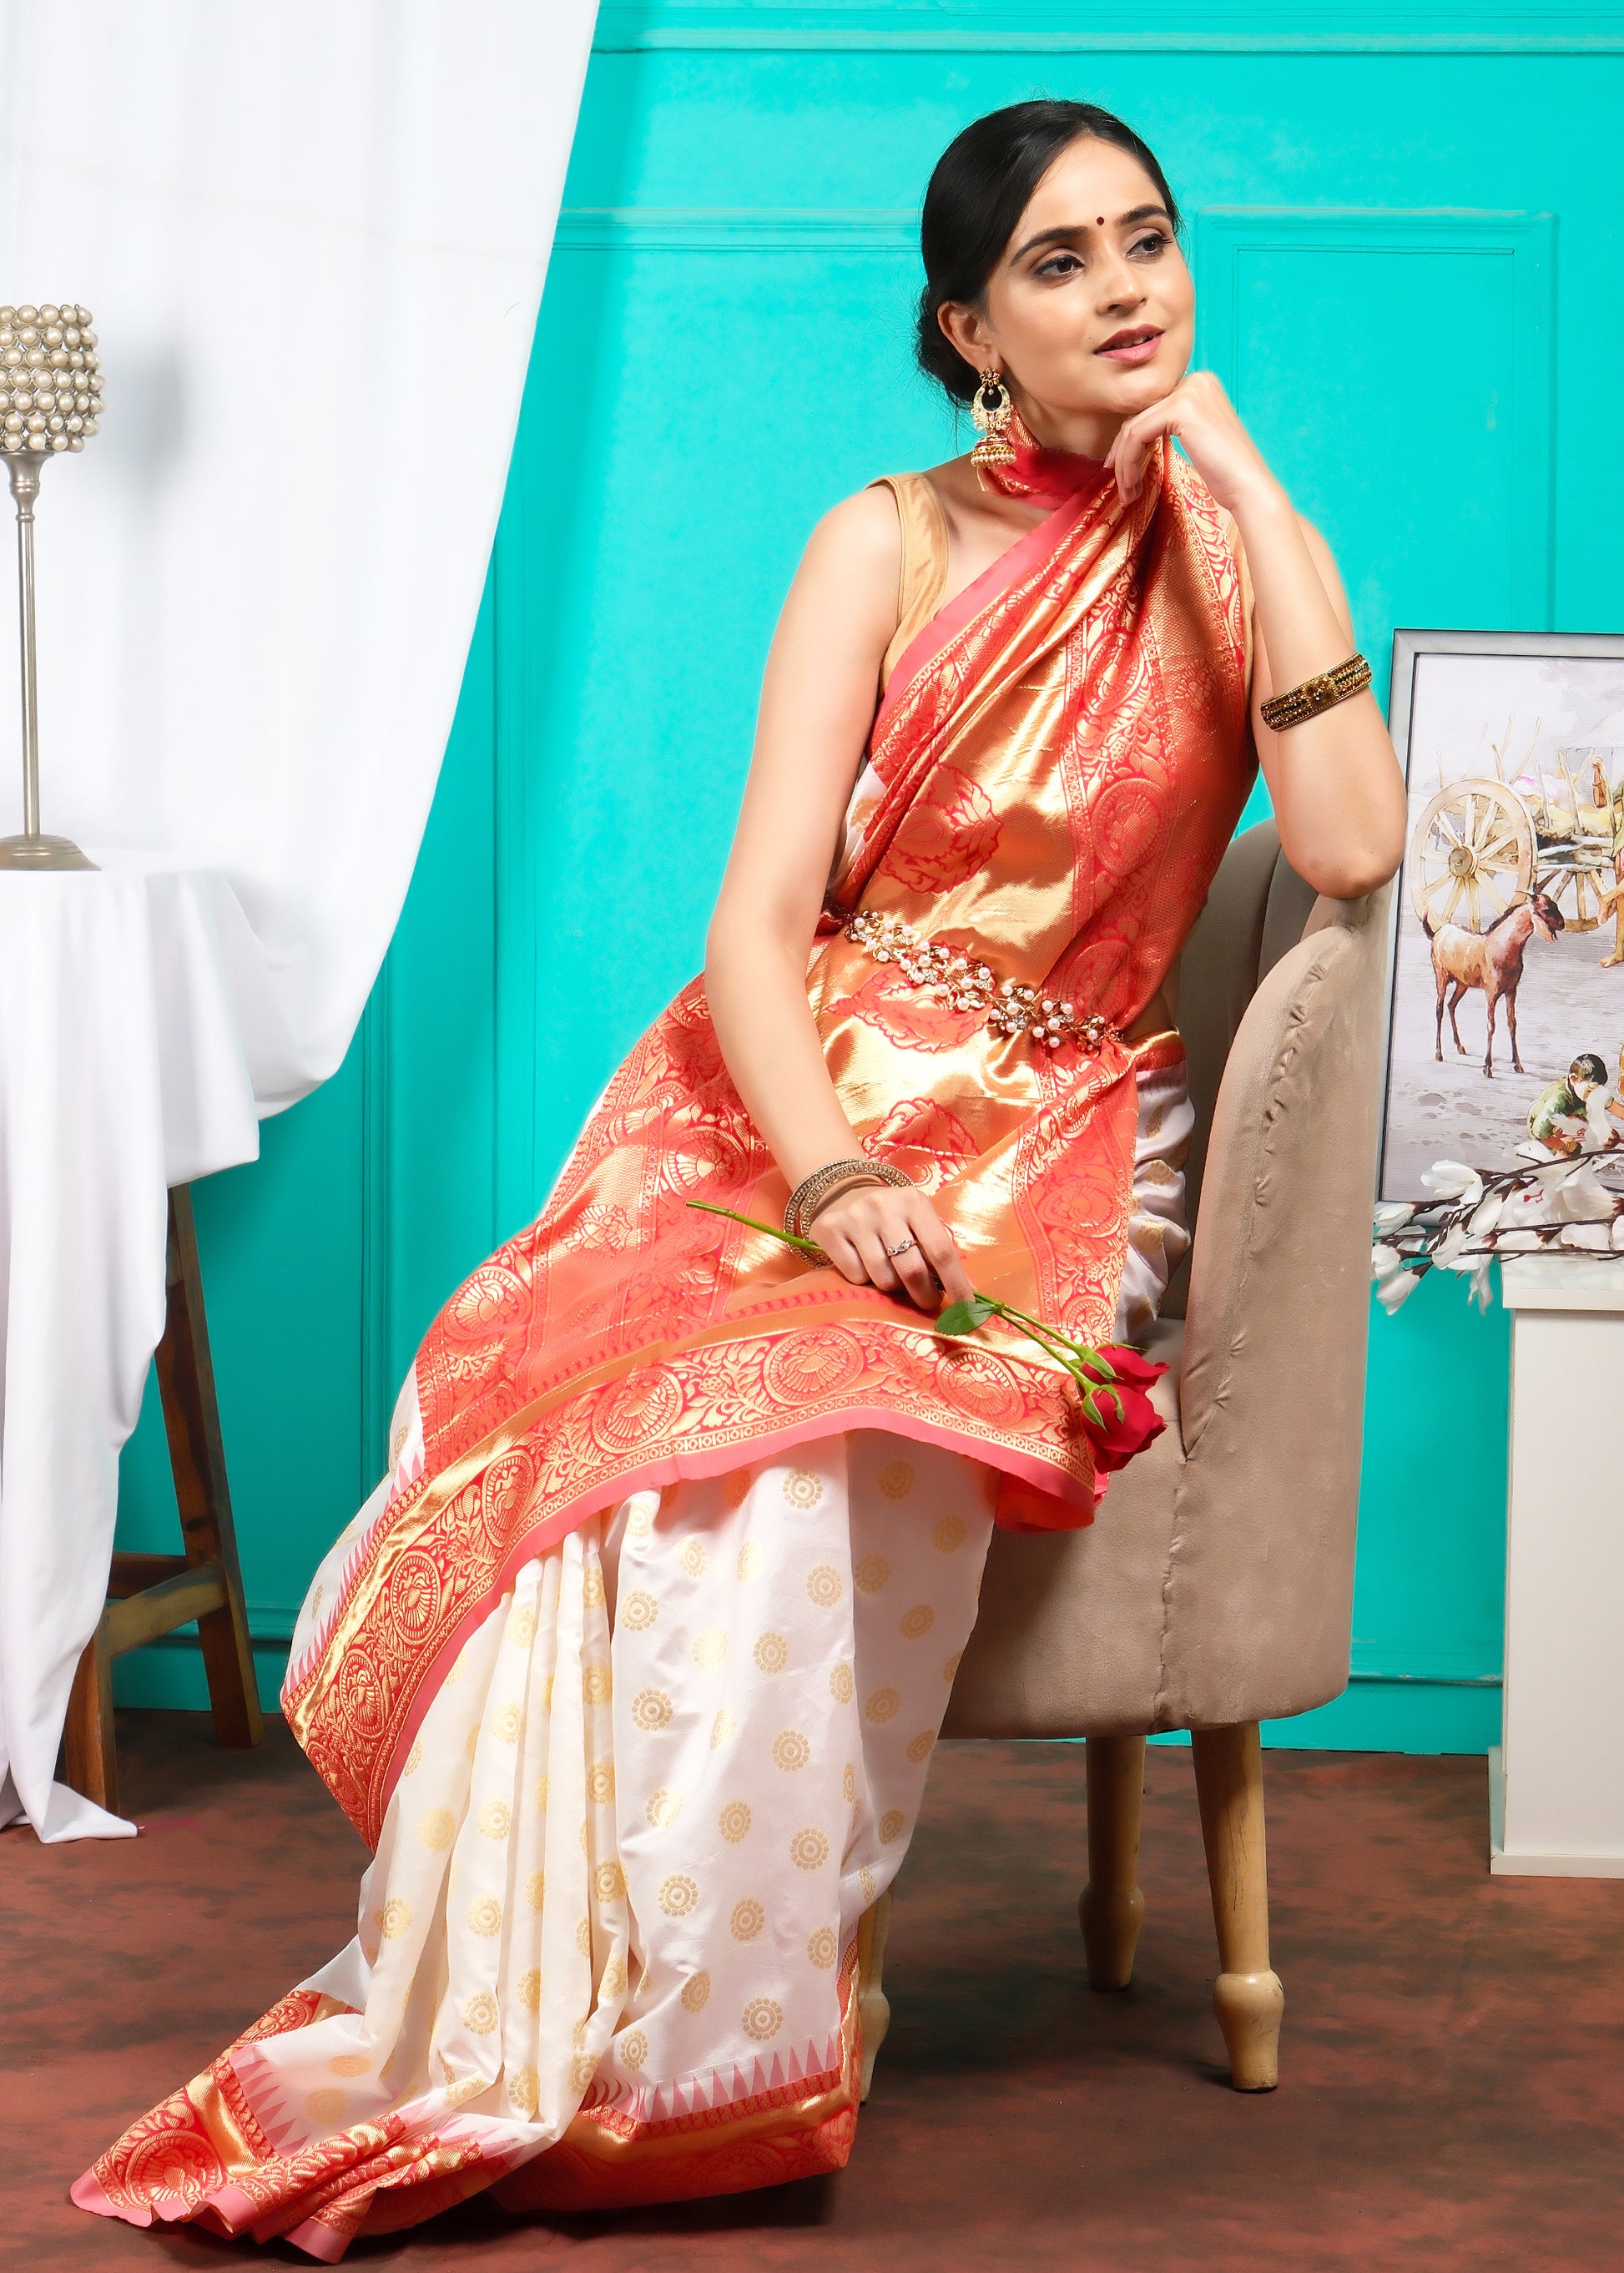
(1411, 647)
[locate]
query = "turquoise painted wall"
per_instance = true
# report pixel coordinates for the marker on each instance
(1393, 218)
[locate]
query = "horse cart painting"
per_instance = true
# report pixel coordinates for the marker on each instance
(1508, 951)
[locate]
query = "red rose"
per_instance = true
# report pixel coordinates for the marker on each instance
(1121, 1432)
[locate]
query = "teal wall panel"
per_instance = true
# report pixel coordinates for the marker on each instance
(1397, 216)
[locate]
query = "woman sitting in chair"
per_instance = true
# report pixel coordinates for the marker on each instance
(631, 1669)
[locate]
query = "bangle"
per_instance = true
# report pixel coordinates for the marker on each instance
(810, 1194)
(1314, 695)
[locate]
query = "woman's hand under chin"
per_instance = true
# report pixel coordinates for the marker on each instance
(1204, 420)
(861, 1230)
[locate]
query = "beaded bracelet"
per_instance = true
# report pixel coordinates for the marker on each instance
(814, 1190)
(1298, 703)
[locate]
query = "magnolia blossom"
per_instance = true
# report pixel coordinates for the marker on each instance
(1391, 1215)
(1453, 1179)
(1394, 1282)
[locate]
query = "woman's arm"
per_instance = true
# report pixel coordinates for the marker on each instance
(816, 709)
(1337, 790)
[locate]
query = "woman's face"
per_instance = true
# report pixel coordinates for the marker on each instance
(1090, 312)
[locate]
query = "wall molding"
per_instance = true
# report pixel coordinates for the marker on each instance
(1006, 27)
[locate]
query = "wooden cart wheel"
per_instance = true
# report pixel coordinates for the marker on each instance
(1578, 892)
(1472, 855)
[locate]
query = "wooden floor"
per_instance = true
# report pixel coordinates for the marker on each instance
(1452, 2068)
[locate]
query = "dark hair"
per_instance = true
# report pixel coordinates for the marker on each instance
(982, 184)
(1588, 1067)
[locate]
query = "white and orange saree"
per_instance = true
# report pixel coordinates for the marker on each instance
(631, 1669)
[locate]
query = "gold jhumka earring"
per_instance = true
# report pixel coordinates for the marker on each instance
(991, 410)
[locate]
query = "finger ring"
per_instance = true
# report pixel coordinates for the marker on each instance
(902, 1250)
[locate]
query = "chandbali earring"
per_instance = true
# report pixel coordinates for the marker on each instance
(991, 409)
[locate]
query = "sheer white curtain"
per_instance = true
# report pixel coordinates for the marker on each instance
(312, 234)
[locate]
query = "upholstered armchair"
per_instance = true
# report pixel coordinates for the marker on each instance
(1215, 1588)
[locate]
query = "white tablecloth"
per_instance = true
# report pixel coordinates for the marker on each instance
(137, 1025)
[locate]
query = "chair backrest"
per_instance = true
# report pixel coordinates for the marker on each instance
(1257, 908)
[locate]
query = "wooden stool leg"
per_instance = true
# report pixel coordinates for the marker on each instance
(1111, 1908)
(90, 1758)
(873, 2005)
(1247, 1995)
(197, 1455)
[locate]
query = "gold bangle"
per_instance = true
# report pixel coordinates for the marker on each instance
(1323, 692)
(810, 1194)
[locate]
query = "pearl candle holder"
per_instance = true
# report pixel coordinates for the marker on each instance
(51, 399)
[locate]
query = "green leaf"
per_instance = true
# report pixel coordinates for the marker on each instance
(965, 1317)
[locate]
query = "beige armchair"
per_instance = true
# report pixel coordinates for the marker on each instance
(1215, 1588)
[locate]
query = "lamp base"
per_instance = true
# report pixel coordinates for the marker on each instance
(41, 852)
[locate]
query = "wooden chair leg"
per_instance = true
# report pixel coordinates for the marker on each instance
(873, 2005)
(197, 1456)
(1247, 1995)
(90, 1758)
(1111, 1908)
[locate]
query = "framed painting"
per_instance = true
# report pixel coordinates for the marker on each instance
(1506, 1018)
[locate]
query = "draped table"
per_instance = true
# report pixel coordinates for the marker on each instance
(138, 1029)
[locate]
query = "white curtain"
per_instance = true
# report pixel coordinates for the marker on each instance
(312, 234)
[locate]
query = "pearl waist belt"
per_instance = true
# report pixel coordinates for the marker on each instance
(963, 982)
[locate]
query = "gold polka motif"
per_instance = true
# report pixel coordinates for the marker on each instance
(678, 1895)
(472, 1746)
(581, 1835)
(315, 1602)
(733, 1821)
(326, 2107)
(633, 2049)
(948, 1534)
(457, 1670)
(772, 1652)
(694, 1558)
(414, 1759)
(761, 2019)
(884, 1705)
(480, 2013)
(600, 1782)
(595, 1684)
(808, 1850)
(495, 1819)
(535, 1889)
(546, 1693)
(896, 1479)
(919, 1747)
(848, 1785)
(823, 1949)
(544, 1785)
(524, 2091)
(752, 1555)
(581, 2070)
(824, 1585)
(890, 1824)
(950, 1670)
(636, 1611)
(871, 1572)
(840, 1683)
(709, 1647)
(437, 1829)
(651, 1709)
(724, 1729)
(663, 1808)
(484, 1915)
(803, 1488)
(867, 1880)
(521, 1629)
(790, 1751)
(530, 1990)
(592, 1588)
(349, 2064)
(747, 1919)
(507, 1723)
(396, 1919)
(609, 1882)
(614, 1980)
(916, 1622)
(584, 1938)
(695, 1992)
(467, 2087)
(640, 1522)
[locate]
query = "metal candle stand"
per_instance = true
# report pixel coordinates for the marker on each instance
(51, 399)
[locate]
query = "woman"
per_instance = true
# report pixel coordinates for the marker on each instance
(632, 1668)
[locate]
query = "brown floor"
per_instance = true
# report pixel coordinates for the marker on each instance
(1453, 2065)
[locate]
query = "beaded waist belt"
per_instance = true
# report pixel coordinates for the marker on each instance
(963, 982)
